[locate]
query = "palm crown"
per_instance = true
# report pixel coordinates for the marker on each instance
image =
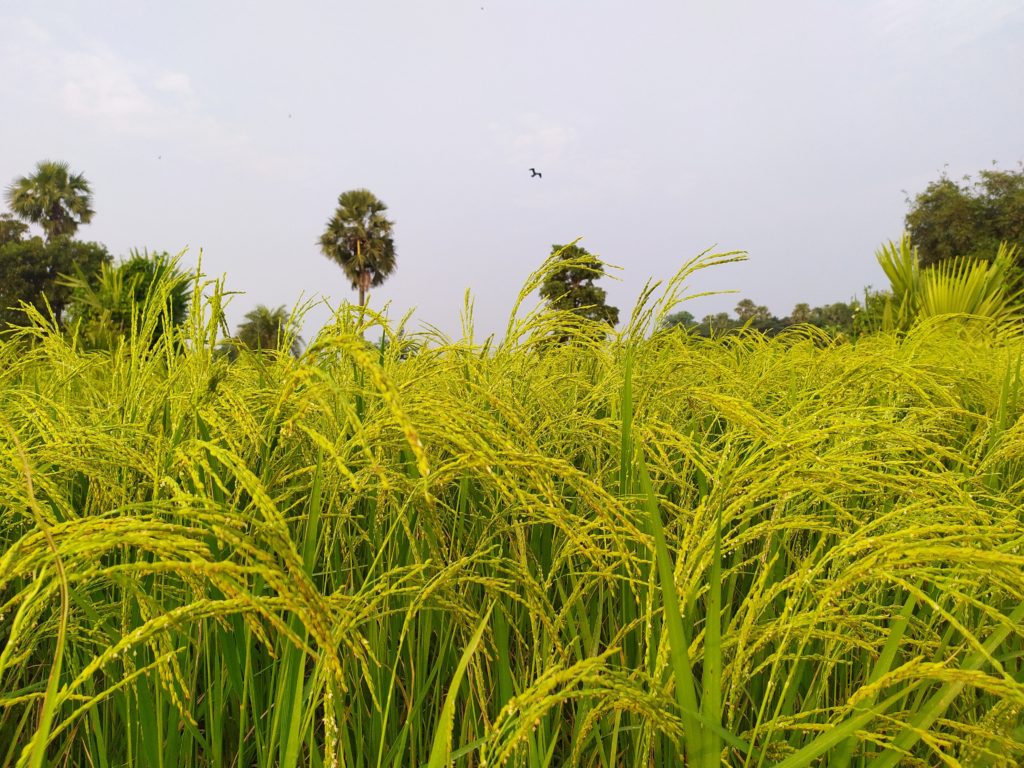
(358, 238)
(267, 329)
(53, 197)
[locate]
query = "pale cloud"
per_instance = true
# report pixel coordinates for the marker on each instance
(954, 23)
(96, 87)
(177, 83)
(533, 140)
(25, 33)
(102, 88)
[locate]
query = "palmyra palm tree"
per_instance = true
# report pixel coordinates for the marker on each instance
(52, 197)
(266, 329)
(359, 239)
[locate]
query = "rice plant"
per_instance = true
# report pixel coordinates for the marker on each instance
(643, 550)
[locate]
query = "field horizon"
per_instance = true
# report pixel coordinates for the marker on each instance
(637, 549)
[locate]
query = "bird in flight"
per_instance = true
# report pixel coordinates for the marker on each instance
(534, 172)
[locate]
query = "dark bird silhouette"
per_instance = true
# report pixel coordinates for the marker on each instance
(536, 173)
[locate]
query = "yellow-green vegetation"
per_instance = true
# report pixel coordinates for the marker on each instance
(640, 551)
(965, 285)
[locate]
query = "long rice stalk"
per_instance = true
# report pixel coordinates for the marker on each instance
(626, 551)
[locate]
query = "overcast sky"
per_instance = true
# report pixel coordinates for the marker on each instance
(787, 129)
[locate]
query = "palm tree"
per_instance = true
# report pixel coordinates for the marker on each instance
(53, 198)
(265, 329)
(358, 238)
(964, 285)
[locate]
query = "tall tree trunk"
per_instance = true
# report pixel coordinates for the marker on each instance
(365, 279)
(52, 223)
(362, 274)
(364, 286)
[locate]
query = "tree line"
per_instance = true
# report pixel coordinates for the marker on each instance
(963, 251)
(72, 283)
(77, 285)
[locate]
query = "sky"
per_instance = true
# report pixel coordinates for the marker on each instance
(792, 130)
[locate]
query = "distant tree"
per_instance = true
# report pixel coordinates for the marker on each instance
(717, 324)
(266, 329)
(143, 271)
(801, 314)
(748, 314)
(572, 287)
(104, 309)
(840, 317)
(359, 239)
(31, 272)
(748, 311)
(870, 315)
(52, 197)
(710, 325)
(837, 316)
(853, 318)
(971, 219)
(681, 319)
(11, 230)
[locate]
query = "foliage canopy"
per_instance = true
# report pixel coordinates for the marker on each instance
(32, 273)
(52, 197)
(569, 285)
(107, 308)
(952, 219)
(266, 329)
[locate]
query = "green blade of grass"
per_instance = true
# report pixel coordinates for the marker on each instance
(835, 735)
(686, 694)
(844, 753)
(441, 748)
(711, 684)
(934, 708)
